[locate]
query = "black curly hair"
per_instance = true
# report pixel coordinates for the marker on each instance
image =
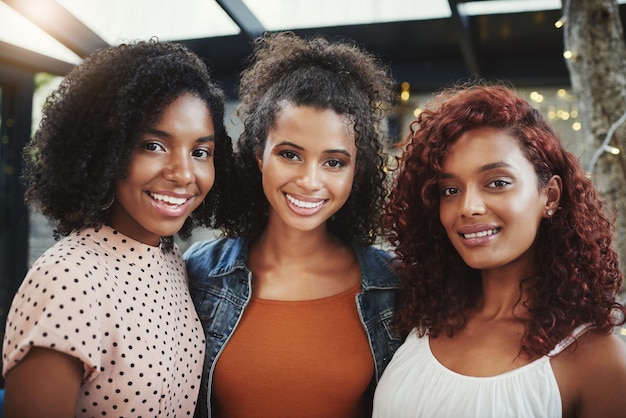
(91, 125)
(316, 72)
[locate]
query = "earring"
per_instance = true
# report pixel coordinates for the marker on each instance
(550, 212)
(108, 204)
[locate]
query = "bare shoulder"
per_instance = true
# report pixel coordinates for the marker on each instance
(592, 377)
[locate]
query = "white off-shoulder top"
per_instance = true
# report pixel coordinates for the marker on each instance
(416, 385)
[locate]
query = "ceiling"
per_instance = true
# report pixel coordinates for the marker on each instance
(454, 39)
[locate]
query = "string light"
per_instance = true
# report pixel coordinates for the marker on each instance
(405, 94)
(557, 105)
(605, 144)
(568, 55)
(561, 22)
(604, 147)
(612, 150)
(536, 97)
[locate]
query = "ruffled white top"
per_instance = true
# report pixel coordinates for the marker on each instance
(416, 385)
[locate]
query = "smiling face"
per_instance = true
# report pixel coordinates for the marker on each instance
(490, 201)
(307, 166)
(169, 175)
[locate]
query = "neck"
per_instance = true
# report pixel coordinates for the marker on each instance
(301, 265)
(283, 245)
(503, 294)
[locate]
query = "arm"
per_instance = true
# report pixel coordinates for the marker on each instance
(44, 384)
(603, 379)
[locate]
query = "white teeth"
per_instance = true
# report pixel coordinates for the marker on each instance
(168, 199)
(479, 234)
(302, 204)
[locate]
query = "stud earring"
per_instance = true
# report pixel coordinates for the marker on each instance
(550, 212)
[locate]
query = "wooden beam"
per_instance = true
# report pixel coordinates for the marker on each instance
(15, 56)
(59, 23)
(461, 25)
(243, 17)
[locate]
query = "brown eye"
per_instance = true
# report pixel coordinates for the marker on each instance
(498, 184)
(151, 146)
(449, 191)
(202, 153)
(290, 155)
(335, 163)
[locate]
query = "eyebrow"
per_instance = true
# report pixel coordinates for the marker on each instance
(163, 134)
(326, 151)
(482, 169)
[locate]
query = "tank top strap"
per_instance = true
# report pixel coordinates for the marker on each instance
(567, 341)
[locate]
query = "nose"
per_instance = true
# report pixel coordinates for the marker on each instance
(472, 203)
(311, 177)
(179, 168)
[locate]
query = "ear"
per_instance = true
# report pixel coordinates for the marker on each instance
(259, 161)
(553, 195)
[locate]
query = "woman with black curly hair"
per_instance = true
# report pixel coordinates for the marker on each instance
(295, 302)
(131, 150)
(509, 278)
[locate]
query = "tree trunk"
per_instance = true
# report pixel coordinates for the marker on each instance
(595, 37)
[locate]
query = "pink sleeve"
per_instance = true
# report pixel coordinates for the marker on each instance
(56, 307)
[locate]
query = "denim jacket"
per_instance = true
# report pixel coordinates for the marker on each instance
(221, 287)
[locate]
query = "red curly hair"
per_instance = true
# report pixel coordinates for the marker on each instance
(578, 270)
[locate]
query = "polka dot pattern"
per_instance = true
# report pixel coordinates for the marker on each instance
(123, 309)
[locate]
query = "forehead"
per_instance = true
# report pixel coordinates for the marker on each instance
(481, 146)
(312, 125)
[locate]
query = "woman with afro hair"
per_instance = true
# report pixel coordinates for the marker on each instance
(295, 302)
(131, 150)
(509, 281)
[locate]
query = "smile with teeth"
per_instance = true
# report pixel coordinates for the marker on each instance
(303, 204)
(168, 199)
(480, 234)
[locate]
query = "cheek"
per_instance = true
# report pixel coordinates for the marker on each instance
(445, 216)
(141, 170)
(206, 178)
(527, 208)
(269, 177)
(344, 185)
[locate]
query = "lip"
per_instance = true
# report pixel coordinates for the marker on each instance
(478, 234)
(171, 204)
(304, 206)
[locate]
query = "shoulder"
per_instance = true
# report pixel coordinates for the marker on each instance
(592, 376)
(612, 359)
(75, 265)
(73, 251)
(376, 266)
(64, 282)
(222, 253)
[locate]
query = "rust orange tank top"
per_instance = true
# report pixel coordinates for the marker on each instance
(296, 359)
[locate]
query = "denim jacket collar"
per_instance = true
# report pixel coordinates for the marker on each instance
(376, 271)
(234, 256)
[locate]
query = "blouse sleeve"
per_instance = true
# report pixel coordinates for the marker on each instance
(57, 307)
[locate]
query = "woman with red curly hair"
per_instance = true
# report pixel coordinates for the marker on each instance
(509, 278)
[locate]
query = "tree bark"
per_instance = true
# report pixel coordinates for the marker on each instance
(593, 33)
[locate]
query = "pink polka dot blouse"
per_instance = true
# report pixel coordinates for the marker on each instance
(123, 309)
